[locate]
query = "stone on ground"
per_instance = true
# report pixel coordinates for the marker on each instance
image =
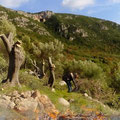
(62, 83)
(64, 102)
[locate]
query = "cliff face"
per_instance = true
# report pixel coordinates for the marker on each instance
(41, 16)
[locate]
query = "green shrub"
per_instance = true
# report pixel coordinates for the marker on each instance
(3, 68)
(7, 27)
(3, 49)
(52, 49)
(26, 43)
(3, 65)
(92, 79)
(115, 80)
(29, 80)
(90, 69)
(86, 69)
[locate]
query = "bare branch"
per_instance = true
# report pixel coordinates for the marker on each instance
(37, 69)
(6, 42)
(50, 61)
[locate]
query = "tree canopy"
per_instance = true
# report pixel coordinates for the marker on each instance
(51, 49)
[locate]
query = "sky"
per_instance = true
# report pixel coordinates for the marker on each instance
(104, 9)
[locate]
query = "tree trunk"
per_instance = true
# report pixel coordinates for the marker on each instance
(36, 68)
(16, 58)
(52, 75)
(43, 69)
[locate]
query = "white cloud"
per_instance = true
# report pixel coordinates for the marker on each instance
(115, 1)
(12, 3)
(77, 4)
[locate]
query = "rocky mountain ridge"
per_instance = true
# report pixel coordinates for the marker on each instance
(40, 16)
(81, 30)
(23, 19)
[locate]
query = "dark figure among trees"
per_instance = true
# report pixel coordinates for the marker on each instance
(68, 77)
(16, 58)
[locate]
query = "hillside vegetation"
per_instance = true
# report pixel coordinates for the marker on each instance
(86, 45)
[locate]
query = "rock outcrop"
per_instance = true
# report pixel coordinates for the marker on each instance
(71, 31)
(40, 16)
(29, 104)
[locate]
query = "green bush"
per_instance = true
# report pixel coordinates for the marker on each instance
(115, 79)
(3, 49)
(26, 43)
(3, 65)
(29, 80)
(52, 49)
(7, 27)
(86, 69)
(3, 68)
(92, 79)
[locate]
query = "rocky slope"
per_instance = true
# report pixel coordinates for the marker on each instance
(30, 105)
(40, 17)
(34, 106)
(86, 32)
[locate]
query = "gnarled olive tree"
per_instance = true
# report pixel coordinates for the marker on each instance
(52, 74)
(16, 58)
(51, 49)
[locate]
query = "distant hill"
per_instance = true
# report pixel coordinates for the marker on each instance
(87, 32)
(82, 32)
